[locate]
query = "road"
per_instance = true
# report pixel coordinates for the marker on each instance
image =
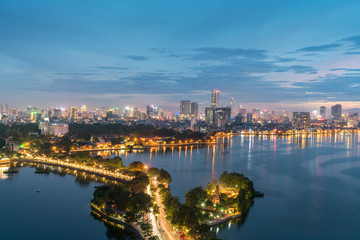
(168, 232)
(156, 230)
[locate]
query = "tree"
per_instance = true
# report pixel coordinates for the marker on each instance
(140, 202)
(195, 197)
(164, 177)
(139, 183)
(136, 166)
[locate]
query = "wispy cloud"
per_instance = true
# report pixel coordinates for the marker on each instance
(353, 40)
(320, 48)
(137, 58)
(112, 68)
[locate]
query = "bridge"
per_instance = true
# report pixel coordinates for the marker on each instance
(115, 176)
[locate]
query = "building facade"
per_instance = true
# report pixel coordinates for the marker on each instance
(301, 120)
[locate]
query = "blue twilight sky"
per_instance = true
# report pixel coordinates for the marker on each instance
(269, 54)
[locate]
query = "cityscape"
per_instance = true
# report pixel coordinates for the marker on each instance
(55, 120)
(179, 120)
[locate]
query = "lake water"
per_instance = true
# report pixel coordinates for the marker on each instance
(311, 186)
(311, 183)
(61, 210)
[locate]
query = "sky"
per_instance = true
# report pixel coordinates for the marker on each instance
(282, 55)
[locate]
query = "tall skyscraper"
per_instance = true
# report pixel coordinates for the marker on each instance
(232, 106)
(249, 118)
(57, 113)
(209, 115)
(194, 110)
(323, 112)
(215, 98)
(73, 114)
(217, 116)
(185, 108)
(336, 112)
(152, 111)
(301, 120)
(222, 116)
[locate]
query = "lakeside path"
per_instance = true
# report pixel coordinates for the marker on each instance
(165, 226)
(91, 170)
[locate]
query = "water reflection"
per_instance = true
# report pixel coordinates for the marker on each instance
(307, 176)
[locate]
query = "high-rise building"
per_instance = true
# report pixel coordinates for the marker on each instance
(301, 120)
(215, 98)
(218, 117)
(73, 114)
(185, 106)
(249, 118)
(238, 119)
(84, 111)
(4, 108)
(152, 111)
(353, 120)
(57, 113)
(194, 110)
(242, 111)
(323, 112)
(222, 116)
(336, 112)
(232, 106)
(209, 115)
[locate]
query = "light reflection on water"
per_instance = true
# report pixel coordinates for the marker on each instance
(311, 183)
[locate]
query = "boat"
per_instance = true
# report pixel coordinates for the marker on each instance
(259, 194)
(37, 190)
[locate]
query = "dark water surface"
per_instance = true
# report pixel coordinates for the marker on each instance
(311, 186)
(61, 210)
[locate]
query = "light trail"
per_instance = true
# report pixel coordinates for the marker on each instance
(153, 220)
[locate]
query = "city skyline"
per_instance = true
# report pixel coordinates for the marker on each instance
(121, 53)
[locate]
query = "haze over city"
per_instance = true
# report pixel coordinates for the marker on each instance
(282, 55)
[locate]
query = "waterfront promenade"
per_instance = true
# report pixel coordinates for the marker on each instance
(115, 176)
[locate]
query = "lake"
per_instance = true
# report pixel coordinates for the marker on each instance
(61, 210)
(311, 186)
(311, 183)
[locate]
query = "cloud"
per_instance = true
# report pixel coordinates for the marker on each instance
(353, 40)
(320, 48)
(137, 58)
(352, 53)
(341, 88)
(112, 68)
(346, 69)
(219, 53)
(299, 69)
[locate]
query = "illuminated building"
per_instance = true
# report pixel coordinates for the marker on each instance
(323, 112)
(194, 110)
(249, 118)
(242, 111)
(57, 129)
(301, 120)
(185, 106)
(209, 115)
(215, 98)
(353, 120)
(217, 117)
(232, 105)
(73, 114)
(336, 112)
(57, 113)
(152, 111)
(12, 145)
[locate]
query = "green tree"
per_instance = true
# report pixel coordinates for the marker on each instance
(136, 166)
(195, 197)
